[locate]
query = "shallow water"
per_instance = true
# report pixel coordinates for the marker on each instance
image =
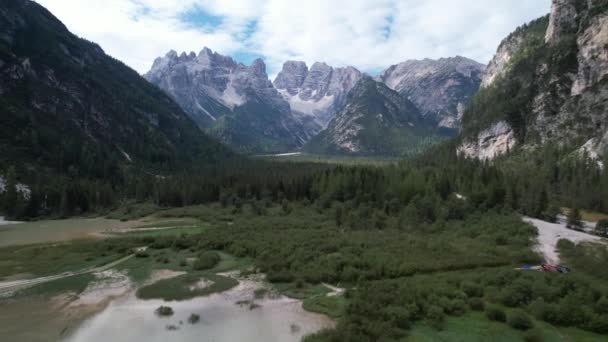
(15, 233)
(221, 320)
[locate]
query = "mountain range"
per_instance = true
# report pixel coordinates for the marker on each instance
(77, 109)
(239, 105)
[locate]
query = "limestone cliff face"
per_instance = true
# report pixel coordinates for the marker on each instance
(490, 143)
(563, 19)
(592, 55)
(549, 88)
(498, 65)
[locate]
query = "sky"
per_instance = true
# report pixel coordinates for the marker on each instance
(367, 34)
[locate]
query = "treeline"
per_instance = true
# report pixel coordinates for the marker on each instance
(438, 185)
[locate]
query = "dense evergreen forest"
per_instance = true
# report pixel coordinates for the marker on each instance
(533, 182)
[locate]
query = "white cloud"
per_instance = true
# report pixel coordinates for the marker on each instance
(367, 34)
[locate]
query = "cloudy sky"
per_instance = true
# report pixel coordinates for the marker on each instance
(368, 34)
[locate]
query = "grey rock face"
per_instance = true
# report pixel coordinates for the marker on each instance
(291, 77)
(490, 143)
(316, 93)
(211, 88)
(498, 65)
(592, 55)
(569, 97)
(563, 19)
(438, 87)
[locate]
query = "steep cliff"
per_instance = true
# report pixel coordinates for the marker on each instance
(548, 83)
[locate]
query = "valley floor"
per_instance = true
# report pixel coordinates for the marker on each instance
(197, 255)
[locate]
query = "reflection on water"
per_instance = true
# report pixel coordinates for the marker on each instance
(221, 320)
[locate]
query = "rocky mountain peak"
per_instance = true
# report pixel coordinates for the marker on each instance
(563, 19)
(440, 88)
(291, 77)
(210, 87)
(317, 92)
(258, 68)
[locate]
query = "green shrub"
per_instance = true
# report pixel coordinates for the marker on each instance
(533, 335)
(164, 311)
(472, 290)
(194, 318)
(601, 228)
(206, 260)
(142, 254)
(476, 304)
(495, 313)
(519, 320)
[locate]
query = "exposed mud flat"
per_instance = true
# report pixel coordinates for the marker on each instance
(273, 318)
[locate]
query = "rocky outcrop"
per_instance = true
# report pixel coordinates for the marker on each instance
(498, 65)
(236, 103)
(490, 143)
(595, 148)
(563, 19)
(439, 88)
(318, 92)
(551, 90)
(592, 55)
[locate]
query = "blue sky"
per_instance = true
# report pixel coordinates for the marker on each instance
(370, 35)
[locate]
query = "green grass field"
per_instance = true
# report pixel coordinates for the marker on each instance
(334, 159)
(475, 327)
(184, 287)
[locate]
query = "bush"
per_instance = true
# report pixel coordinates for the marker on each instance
(164, 311)
(472, 290)
(142, 254)
(476, 304)
(533, 335)
(519, 320)
(495, 313)
(194, 318)
(601, 228)
(206, 260)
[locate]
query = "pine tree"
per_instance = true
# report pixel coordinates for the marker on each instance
(574, 219)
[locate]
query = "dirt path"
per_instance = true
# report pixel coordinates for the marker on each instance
(550, 233)
(9, 287)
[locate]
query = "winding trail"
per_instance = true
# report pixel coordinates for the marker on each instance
(8, 287)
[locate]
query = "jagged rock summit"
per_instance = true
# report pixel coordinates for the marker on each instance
(439, 88)
(232, 101)
(318, 92)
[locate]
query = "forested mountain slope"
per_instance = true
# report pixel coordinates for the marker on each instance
(68, 108)
(547, 83)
